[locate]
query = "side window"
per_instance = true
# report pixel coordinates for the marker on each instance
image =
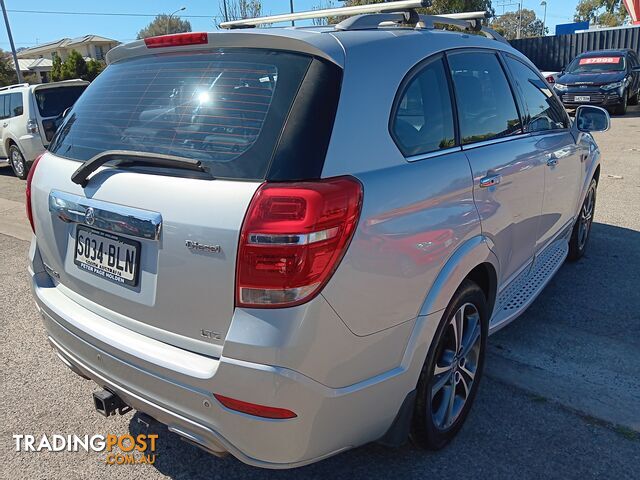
(544, 110)
(486, 108)
(16, 105)
(4, 106)
(423, 119)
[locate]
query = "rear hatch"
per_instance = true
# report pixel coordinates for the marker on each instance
(152, 247)
(51, 101)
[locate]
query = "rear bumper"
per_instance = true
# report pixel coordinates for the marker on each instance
(31, 146)
(176, 387)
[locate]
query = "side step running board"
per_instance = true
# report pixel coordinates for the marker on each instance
(522, 291)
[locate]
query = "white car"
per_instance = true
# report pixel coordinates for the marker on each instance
(30, 115)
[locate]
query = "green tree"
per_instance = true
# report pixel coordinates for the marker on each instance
(608, 13)
(74, 66)
(7, 72)
(239, 9)
(163, 25)
(94, 68)
(56, 69)
(507, 24)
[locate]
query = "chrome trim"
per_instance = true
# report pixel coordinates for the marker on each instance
(484, 143)
(437, 153)
(293, 238)
(111, 217)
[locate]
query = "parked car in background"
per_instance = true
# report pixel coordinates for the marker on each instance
(248, 246)
(29, 117)
(551, 77)
(608, 78)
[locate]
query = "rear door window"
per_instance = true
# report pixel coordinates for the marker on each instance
(423, 120)
(225, 108)
(486, 107)
(4, 106)
(16, 107)
(544, 110)
(54, 101)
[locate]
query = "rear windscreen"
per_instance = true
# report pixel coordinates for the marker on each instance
(54, 101)
(225, 108)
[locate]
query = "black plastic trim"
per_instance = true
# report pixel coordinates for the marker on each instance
(303, 144)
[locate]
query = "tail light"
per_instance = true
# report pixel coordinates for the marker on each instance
(32, 126)
(177, 40)
(28, 190)
(254, 409)
(551, 80)
(293, 238)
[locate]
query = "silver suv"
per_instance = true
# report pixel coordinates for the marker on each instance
(284, 243)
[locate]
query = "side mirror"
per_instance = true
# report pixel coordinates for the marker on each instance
(591, 119)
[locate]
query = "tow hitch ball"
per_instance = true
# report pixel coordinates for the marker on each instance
(108, 403)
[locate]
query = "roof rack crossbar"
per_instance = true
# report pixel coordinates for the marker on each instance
(398, 6)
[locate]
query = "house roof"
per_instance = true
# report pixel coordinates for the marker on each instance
(63, 43)
(31, 64)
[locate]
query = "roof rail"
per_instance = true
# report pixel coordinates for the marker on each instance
(398, 6)
(464, 21)
(17, 85)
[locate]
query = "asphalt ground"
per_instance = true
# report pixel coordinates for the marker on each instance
(560, 398)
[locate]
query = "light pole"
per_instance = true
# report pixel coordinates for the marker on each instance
(226, 14)
(13, 47)
(293, 24)
(519, 18)
(169, 19)
(544, 18)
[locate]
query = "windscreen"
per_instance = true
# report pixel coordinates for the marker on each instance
(225, 108)
(54, 101)
(597, 64)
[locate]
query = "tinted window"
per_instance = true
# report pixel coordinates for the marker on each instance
(54, 101)
(544, 111)
(16, 107)
(423, 120)
(224, 108)
(486, 108)
(604, 63)
(4, 106)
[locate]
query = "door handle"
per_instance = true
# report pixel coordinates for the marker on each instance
(5, 124)
(552, 161)
(490, 180)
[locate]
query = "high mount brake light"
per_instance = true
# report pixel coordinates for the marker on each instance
(27, 191)
(177, 40)
(293, 238)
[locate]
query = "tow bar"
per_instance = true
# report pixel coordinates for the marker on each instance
(108, 403)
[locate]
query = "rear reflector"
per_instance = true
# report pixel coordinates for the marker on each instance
(293, 238)
(254, 409)
(28, 191)
(177, 40)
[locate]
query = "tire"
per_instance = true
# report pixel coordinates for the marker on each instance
(436, 421)
(635, 99)
(18, 164)
(622, 108)
(582, 228)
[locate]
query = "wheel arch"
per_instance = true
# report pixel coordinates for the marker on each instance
(472, 260)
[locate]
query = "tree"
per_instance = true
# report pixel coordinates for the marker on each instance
(163, 25)
(74, 66)
(239, 9)
(94, 68)
(530, 25)
(608, 13)
(56, 69)
(7, 72)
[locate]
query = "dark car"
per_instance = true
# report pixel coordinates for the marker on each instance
(608, 78)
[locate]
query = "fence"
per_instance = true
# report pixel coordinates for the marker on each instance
(554, 53)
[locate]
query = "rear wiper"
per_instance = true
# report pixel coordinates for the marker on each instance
(81, 175)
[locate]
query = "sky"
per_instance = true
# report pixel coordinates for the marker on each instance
(30, 29)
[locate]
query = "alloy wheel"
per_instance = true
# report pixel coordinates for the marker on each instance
(586, 218)
(17, 162)
(456, 365)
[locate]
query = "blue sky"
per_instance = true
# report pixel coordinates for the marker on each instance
(30, 28)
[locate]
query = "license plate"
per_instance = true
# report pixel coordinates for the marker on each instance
(109, 256)
(583, 98)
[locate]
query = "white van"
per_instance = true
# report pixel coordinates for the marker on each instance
(29, 116)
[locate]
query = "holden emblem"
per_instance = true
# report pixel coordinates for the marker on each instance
(89, 216)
